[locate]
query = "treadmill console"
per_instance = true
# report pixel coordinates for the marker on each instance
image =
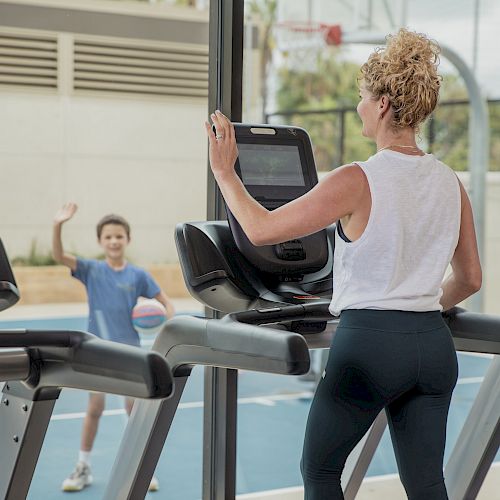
(223, 269)
(276, 165)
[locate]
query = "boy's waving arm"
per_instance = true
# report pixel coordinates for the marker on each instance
(62, 215)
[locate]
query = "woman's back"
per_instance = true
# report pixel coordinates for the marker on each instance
(412, 232)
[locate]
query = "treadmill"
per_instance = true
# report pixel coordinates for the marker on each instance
(275, 299)
(36, 364)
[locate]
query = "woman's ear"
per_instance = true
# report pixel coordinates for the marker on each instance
(383, 105)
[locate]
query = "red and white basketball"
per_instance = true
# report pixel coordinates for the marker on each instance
(148, 314)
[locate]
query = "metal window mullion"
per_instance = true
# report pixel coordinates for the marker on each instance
(225, 93)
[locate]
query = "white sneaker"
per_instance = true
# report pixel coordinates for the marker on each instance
(154, 485)
(78, 479)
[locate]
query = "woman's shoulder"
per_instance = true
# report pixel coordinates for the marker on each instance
(352, 170)
(351, 178)
(349, 174)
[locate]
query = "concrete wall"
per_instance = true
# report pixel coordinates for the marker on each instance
(141, 156)
(145, 160)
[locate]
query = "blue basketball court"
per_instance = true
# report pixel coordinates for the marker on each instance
(272, 412)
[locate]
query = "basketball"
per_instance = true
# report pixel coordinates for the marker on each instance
(148, 314)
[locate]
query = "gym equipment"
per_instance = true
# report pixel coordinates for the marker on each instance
(280, 312)
(37, 363)
(276, 165)
(186, 341)
(232, 342)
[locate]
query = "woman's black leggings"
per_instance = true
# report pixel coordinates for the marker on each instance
(402, 361)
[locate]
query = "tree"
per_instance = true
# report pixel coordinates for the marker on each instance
(449, 125)
(332, 87)
(264, 12)
(187, 3)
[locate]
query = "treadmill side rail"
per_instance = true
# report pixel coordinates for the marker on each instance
(24, 424)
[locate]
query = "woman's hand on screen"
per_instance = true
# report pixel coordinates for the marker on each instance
(223, 151)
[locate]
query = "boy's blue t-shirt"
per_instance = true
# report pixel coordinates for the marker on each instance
(112, 295)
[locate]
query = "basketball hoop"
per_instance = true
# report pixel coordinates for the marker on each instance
(332, 34)
(305, 34)
(300, 42)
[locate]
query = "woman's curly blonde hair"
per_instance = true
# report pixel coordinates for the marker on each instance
(406, 72)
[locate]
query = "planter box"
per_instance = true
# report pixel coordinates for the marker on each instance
(54, 284)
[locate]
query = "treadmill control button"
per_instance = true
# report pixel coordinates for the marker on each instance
(290, 250)
(269, 310)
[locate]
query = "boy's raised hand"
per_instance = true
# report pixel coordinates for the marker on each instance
(65, 213)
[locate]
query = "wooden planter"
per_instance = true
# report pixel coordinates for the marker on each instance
(54, 284)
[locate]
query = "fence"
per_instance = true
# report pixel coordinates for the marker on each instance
(336, 134)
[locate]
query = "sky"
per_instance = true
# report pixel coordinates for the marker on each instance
(452, 23)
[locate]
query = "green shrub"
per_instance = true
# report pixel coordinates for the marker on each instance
(35, 258)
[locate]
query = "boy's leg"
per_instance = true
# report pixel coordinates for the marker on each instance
(91, 421)
(82, 476)
(129, 403)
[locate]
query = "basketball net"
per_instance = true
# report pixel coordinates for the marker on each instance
(301, 43)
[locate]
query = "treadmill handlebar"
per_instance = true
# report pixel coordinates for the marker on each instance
(472, 332)
(14, 364)
(41, 338)
(186, 341)
(9, 294)
(83, 361)
(316, 311)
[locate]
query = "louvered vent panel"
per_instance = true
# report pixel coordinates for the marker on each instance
(138, 69)
(28, 61)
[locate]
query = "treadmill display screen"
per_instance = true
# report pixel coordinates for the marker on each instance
(270, 165)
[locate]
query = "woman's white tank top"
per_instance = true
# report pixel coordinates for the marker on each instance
(400, 260)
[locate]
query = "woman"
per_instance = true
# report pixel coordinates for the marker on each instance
(403, 217)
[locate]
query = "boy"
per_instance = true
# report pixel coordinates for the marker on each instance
(113, 287)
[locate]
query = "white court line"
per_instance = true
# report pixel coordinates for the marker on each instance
(470, 380)
(70, 416)
(478, 354)
(258, 400)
